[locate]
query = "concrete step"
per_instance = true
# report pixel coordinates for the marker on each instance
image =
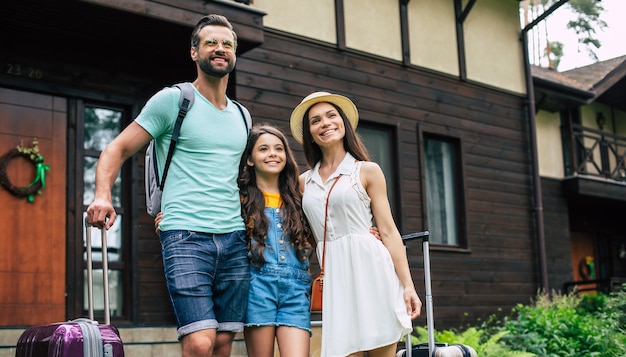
(151, 342)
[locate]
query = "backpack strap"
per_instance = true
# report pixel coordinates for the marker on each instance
(245, 114)
(186, 101)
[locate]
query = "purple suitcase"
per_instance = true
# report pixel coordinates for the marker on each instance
(431, 349)
(80, 337)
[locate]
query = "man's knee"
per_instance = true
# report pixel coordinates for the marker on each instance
(199, 343)
(223, 344)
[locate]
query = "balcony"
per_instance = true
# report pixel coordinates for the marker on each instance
(595, 163)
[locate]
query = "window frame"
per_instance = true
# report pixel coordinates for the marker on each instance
(459, 185)
(393, 183)
(76, 265)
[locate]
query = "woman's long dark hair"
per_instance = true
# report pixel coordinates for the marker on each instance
(351, 141)
(253, 202)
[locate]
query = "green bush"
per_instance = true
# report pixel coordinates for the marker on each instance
(554, 325)
(568, 325)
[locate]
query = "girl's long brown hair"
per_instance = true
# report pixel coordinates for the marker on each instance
(253, 202)
(351, 141)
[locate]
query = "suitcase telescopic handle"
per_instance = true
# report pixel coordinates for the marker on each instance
(429, 295)
(105, 272)
(423, 235)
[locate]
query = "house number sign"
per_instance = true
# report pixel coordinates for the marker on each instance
(15, 69)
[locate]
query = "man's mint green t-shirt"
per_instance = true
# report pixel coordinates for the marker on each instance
(200, 192)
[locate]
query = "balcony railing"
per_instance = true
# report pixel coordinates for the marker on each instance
(597, 153)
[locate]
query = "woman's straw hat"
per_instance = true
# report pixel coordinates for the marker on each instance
(342, 102)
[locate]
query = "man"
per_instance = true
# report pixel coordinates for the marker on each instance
(202, 232)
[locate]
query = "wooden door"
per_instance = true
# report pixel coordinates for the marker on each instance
(32, 246)
(583, 260)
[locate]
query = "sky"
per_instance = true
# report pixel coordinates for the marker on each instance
(613, 37)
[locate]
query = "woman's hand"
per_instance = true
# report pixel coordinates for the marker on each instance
(413, 303)
(157, 220)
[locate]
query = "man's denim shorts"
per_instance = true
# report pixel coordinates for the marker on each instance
(208, 278)
(279, 296)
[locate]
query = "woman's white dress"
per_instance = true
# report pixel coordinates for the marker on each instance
(363, 306)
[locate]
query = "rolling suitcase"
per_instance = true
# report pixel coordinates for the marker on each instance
(79, 337)
(431, 349)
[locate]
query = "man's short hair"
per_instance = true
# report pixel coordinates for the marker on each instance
(212, 19)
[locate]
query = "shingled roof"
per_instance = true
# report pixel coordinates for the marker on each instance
(603, 82)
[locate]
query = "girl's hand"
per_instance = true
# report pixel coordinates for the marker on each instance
(157, 220)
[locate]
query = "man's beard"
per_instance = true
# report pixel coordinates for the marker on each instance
(209, 69)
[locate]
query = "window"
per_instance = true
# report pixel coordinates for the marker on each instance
(378, 141)
(101, 126)
(443, 196)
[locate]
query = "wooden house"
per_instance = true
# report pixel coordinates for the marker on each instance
(581, 129)
(441, 88)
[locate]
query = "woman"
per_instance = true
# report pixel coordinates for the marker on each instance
(369, 296)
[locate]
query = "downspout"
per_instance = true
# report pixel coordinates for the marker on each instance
(532, 127)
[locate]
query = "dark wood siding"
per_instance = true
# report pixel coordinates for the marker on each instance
(152, 305)
(557, 233)
(498, 270)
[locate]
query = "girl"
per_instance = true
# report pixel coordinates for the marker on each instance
(278, 246)
(369, 296)
(278, 238)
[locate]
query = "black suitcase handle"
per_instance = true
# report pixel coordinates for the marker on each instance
(429, 295)
(424, 235)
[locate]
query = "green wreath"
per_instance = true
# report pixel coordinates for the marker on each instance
(32, 155)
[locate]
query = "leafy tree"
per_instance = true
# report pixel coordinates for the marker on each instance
(586, 23)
